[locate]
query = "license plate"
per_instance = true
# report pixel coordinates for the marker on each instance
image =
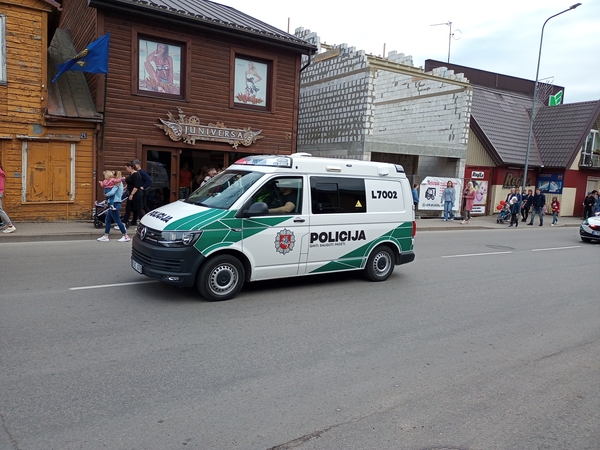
(596, 233)
(136, 266)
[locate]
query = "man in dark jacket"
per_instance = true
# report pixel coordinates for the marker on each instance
(146, 182)
(588, 205)
(538, 201)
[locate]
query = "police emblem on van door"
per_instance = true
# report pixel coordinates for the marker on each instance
(285, 241)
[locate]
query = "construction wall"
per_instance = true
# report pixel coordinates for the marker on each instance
(354, 105)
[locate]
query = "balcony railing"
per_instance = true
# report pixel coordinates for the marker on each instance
(591, 161)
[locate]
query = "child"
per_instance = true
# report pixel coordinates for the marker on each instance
(555, 205)
(111, 178)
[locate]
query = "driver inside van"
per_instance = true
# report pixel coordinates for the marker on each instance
(288, 200)
(280, 195)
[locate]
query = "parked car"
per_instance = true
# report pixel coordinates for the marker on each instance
(589, 230)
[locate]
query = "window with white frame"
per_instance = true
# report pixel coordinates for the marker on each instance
(591, 149)
(2, 48)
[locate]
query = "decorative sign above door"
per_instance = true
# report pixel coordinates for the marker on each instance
(189, 130)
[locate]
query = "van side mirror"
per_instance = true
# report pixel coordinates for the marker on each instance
(257, 209)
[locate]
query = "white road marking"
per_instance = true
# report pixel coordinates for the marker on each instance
(554, 248)
(476, 254)
(505, 253)
(110, 285)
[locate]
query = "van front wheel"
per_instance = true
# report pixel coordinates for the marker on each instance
(380, 264)
(220, 278)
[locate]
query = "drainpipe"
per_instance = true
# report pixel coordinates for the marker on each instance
(309, 61)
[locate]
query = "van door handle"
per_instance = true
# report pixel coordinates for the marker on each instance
(299, 220)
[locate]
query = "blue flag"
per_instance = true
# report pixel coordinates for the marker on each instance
(93, 59)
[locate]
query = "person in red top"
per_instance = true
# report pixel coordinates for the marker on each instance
(185, 180)
(555, 205)
(3, 216)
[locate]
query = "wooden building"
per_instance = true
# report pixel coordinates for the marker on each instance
(200, 84)
(45, 149)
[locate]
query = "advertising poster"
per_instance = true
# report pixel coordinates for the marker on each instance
(430, 193)
(480, 180)
(550, 183)
(481, 190)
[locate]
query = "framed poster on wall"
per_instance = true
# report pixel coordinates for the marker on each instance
(159, 67)
(251, 82)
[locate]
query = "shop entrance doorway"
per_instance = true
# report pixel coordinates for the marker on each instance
(162, 167)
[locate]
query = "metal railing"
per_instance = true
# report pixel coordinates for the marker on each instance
(590, 160)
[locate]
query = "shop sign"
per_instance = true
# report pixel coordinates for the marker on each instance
(514, 181)
(190, 130)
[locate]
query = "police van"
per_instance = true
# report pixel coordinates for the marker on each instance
(274, 216)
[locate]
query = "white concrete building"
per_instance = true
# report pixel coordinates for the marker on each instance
(359, 106)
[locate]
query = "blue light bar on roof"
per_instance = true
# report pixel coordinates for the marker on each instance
(266, 160)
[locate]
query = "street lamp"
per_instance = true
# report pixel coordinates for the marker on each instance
(535, 86)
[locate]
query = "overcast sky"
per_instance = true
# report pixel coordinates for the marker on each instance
(502, 37)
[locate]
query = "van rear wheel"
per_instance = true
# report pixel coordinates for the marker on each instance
(380, 264)
(220, 278)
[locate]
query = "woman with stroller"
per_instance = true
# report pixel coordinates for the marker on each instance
(114, 214)
(514, 201)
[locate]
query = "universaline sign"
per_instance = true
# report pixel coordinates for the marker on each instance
(190, 130)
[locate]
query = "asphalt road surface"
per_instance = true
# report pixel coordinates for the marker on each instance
(489, 340)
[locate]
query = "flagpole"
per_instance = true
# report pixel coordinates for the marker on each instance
(104, 110)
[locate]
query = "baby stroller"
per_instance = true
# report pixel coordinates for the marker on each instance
(102, 209)
(504, 214)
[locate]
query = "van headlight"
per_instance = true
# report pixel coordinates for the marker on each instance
(179, 238)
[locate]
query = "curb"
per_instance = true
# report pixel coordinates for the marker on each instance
(93, 234)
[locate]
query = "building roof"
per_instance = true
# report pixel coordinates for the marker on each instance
(561, 130)
(494, 80)
(211, 15)
(69, 97)
(500, 120)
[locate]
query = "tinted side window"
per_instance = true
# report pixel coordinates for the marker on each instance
(333, 195)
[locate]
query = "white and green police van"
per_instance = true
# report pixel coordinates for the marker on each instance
(276, 216)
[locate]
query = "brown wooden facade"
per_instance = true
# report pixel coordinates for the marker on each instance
(206, 93)
(48, 164)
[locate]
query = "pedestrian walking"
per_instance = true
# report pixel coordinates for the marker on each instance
(469, 198)
(538, 202)
(526, 204)
(114, 215)
(449, 198)
(134, 201)
(146, 183)
(514, 202)
(596, 207)
(415, 196)
(6, 222)
(555, 207)
(588, 205)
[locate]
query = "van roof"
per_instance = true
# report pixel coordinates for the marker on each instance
(304, 162)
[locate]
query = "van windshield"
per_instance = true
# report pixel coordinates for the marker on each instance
(224, 189)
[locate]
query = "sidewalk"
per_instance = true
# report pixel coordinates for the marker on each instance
(84, 230)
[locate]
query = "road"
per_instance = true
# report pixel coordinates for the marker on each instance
(489, 340)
